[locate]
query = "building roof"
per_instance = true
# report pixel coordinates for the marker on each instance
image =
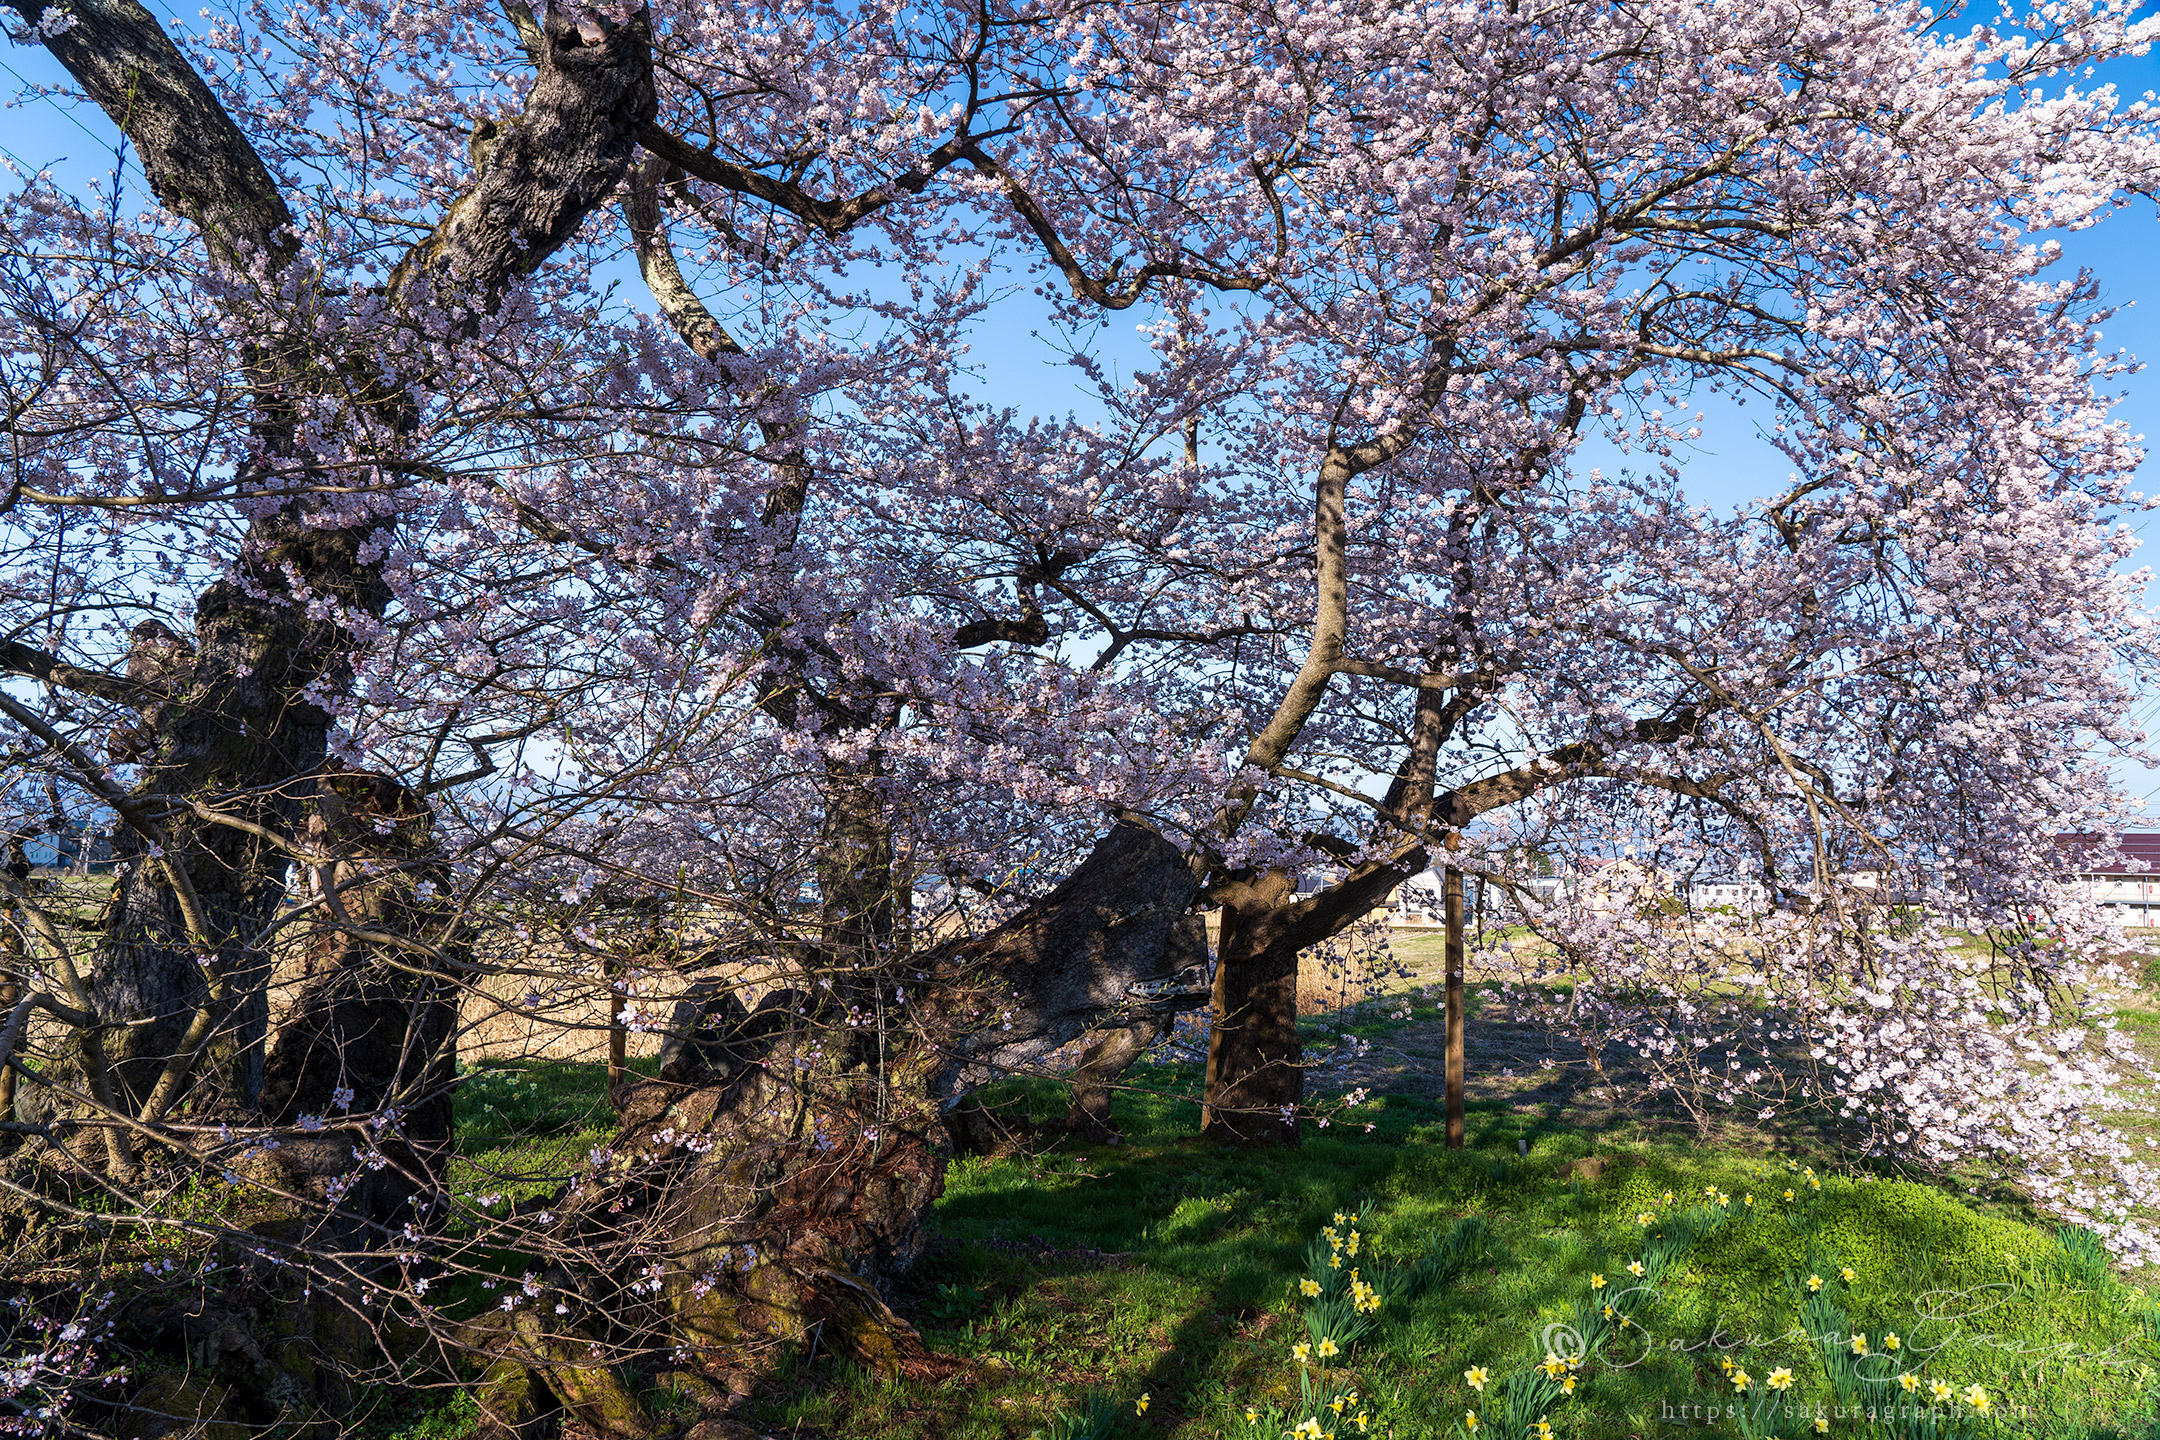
(2140, 853)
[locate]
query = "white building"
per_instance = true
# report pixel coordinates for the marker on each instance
(2127, 886)
(1728, 892)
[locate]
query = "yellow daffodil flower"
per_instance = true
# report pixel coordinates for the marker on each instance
(1859, 1344)
(1846, 1274)
(1476, 1377)
(1978, 1399)
(1308, 1287)
(1741, 1380)
(1469, 1421)
(1814, 1282)
(1908, 1382)
(1302, 1353)
(1822, 1425)
(1328, 1348)
(1597, 1281)
(1940, 1390)
(1635, 1268)
(1567, 1386)
(1140, 1407)
(1890, 1341)
(1780, 1379)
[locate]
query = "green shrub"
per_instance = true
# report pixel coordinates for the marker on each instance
(2083, 1257)
(1096, 1419)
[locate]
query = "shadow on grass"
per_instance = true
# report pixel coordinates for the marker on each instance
(1163, 1267)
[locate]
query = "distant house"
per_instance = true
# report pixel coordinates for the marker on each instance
(2127, 885)
(1422, 899)
(69, 851)
(1728, 892)
(1614, 885)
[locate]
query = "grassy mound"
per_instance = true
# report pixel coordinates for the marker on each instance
(1081, 1281)
(1163, 1287)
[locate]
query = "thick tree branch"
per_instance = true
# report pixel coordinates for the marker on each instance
(701, 331)
(194, 156)
(19, 659)
(1458, 807)
(540, 175)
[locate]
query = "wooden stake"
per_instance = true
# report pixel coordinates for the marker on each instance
(1454, 908)
(618, 1035)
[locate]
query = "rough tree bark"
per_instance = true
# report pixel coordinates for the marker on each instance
(767, 1194)
(237, 729)
(373, 1029)
(1114, 943)
(236, 725)
(1255, 1066)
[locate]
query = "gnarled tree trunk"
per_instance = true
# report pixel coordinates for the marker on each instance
(760, 1191)
(1255, 1074)
(234, 742)
(238, 738)
(365, 1062)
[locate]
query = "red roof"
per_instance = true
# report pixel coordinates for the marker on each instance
(2139, 854)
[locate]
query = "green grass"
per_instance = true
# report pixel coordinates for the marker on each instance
(1195, 1308)
(1075, 1281)
(524, 1127)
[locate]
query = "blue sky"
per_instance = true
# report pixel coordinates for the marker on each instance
(1729, 468)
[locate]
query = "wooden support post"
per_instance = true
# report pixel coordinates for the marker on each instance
(11, 967)
(618, 1036)
(1454, 908)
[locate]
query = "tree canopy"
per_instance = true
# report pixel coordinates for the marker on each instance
(512, 513)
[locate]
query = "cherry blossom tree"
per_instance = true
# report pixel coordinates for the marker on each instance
(1483, 237)
(509, 525)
